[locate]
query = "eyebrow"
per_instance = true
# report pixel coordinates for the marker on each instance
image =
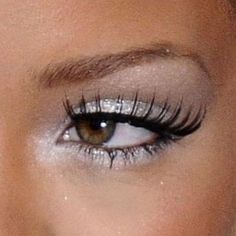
(99, 66)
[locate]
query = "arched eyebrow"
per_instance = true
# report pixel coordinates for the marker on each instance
(99, 66)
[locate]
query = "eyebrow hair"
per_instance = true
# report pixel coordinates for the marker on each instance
(99, 66)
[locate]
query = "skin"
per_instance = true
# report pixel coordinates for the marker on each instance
(190, 191)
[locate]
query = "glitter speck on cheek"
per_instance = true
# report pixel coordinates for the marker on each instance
(65, 198)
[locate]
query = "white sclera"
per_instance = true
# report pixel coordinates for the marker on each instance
(127, 135)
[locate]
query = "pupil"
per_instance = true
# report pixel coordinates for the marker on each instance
(97, 125)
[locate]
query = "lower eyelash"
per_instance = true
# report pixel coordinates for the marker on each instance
(121, 157)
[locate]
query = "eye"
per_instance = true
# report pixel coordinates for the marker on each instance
(108, 134)
(121, 132)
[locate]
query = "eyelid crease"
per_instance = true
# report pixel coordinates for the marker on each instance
(99, 66)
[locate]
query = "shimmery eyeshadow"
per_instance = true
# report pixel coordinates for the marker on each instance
(115, 106)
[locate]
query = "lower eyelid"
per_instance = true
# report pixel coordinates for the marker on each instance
(114, 159)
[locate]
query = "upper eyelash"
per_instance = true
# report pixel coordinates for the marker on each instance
(170, 128)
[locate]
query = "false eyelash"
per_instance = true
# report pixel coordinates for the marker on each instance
(171, 127)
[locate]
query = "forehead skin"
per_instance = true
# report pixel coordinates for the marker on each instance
(198, 197)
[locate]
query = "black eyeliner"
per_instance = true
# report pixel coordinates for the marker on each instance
(171, 126)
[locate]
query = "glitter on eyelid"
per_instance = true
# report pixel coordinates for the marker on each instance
(115, 106)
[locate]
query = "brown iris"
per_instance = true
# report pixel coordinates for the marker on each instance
(96, 131)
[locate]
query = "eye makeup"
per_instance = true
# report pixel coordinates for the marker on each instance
(138, 113)
(164, 124)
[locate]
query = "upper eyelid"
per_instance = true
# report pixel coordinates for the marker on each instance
(83, 107)
(164, 119)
